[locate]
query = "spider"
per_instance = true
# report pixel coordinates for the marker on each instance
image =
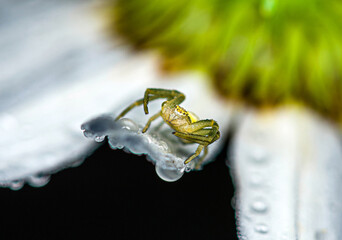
(185, 124)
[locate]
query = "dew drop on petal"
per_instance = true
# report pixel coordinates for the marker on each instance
(258, 155)
(261, 228)
(284, 236)
(256, 180)
(233, 202)
(169, 175)
(259, 206)
(99, 138)
(38, 181)
(188, 168)
(128, 124)
(16, 185)
(163, 145)
(77, 163)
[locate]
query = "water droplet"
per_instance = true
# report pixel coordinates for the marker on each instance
(164, 146)
(284, 236)
(99, 138)
(256, 179)
(259, 206)
(258, 133)
(169, 175)
(242, 237)
(261, 228)
(128, 124)
(233, 202)
(188, 168)
(77, 163)
(88, 134)
(38, 181)
(119, 146)
(16, 185)
(258, 155)
(154, 135)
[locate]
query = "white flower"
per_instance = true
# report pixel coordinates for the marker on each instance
(63, 72)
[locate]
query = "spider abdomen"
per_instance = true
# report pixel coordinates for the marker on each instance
(177, 118)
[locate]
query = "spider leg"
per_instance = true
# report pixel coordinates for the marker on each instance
(200, 124)
(173, 96)
(198, 151)
(207, 128)
(207, 132)
(203, 132)
(130, 107)
(200, 161)
(203, 140)
(153, 94)
(154, 117)
(197, 139)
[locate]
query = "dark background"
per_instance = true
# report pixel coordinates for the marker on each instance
(116, 195)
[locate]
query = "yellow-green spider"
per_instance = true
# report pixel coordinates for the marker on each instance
(186, 125)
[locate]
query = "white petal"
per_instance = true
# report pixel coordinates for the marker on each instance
(58, 69)
(287, 170)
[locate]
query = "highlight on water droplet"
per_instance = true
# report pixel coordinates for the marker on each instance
(38, 181)
(259, 206)
(256, 179)
(169, 175)
(258, 155)
(16, 185)
(285, 236)
(163, 146)
(261, 228)
(128, 124)
(233, 202)
(99, 138)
